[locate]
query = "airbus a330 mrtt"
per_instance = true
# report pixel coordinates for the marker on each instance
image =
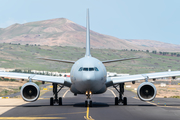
(88, 76)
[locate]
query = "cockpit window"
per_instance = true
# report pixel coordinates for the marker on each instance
(85, 69)
(96, 69)
(88, 69)
(80, 69)
(91, 69)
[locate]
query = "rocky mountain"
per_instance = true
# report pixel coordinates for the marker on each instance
(63, 32)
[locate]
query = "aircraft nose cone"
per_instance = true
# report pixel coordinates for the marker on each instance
(88, 77)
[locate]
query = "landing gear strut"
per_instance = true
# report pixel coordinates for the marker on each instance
(55, 92)
(121, 92)
(88, 101)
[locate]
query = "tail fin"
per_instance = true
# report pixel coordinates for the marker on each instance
(88, 53)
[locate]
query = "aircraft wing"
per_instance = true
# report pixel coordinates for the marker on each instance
(116, 60)
(115, 80)
(57, 60)
(53, 79)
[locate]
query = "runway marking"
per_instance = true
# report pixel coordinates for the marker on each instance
(159, 105)
(65, 93)
(30, 118)
(147, 102)
(87, 117)
(45, 89)
(171, 88)
(152, 103)
(59, 114)
(4, 97)
(112, 92)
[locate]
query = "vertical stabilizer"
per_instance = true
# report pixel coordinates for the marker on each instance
(88, 53)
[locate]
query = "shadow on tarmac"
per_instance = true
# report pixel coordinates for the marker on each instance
(94, 104)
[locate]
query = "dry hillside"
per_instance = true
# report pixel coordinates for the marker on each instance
(63, 32)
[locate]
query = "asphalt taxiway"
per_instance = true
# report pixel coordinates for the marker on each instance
(103, 108)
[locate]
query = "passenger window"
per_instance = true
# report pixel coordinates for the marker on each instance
(80, 69)
(91, 69)
(96, 69)
(85, 69)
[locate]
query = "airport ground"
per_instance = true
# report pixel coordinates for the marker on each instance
(103, 108)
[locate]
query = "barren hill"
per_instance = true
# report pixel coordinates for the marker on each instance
(63, 32)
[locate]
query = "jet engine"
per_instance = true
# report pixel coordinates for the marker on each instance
(30, 92)
(146, 91)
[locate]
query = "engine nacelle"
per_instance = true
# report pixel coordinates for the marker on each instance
(30, 92)
(146, 91)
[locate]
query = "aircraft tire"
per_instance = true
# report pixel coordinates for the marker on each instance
(51, 101)
(86, 103)
(60, 100)
(125, 101)
(116, 100)
(90, 103)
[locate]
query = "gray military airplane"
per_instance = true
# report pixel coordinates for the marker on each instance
(89, 76)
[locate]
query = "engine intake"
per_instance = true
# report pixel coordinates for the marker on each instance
(30, 92)
(146, 91)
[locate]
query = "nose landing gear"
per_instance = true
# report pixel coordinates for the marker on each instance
(88, 102)
(121, 92)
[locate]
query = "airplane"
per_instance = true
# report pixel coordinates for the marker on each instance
(89, 76)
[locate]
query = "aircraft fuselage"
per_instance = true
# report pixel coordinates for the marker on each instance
(88, 74)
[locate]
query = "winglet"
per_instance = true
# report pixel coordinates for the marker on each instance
(88, 53)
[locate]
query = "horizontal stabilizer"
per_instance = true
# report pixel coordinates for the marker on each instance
(57, 60)
(116, 60)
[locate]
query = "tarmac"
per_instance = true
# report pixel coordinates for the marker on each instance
(103, 108)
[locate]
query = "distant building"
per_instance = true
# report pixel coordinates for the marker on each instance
(113, 74)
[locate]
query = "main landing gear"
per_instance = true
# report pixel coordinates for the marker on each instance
(55, 92)
(121, 92)
(88, 101)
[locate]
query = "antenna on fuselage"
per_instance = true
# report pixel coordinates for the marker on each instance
(88, 53)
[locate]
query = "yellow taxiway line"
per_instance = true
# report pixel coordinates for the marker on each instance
(59, 114)
(87, 117)
(31, 118)
(87, 113)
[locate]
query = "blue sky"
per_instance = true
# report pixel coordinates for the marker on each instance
(126, 19)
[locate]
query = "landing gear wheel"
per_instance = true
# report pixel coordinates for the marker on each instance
(86, 103)
(116, 101)
(90, 103)
(125, 101)
(51, 101)
(121, 99)
(60, 101)
(55, 99)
